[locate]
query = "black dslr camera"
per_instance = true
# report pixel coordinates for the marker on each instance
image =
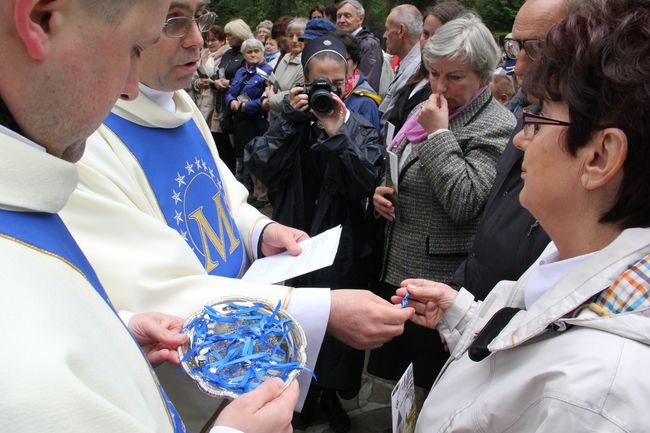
(319, 95)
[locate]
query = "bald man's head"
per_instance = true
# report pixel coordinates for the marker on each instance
(533, 21)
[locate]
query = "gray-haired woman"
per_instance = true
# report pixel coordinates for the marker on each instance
(448, 151)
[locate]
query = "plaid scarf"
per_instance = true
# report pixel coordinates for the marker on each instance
(630, 291)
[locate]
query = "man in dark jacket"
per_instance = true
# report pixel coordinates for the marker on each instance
(349, 18)
(509, 239)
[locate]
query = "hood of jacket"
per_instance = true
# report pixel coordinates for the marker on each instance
(364, 88)
(366, 33)
(568, 298)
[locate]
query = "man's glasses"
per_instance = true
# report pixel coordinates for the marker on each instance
(512, 47)
(532, 122)
(178, 27)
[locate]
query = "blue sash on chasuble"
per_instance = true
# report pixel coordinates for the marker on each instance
(184, 177)
(46, 232)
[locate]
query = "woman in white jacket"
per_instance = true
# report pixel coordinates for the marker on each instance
(565, 348)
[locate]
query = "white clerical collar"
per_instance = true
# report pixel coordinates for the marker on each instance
(547, 273)
(164, 99)
(356, 32)
(13, 134)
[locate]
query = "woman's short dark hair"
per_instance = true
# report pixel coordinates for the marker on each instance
(445, 11)
(217, 32)
(280, 26)
(317, 8)
(598, 62)
(351, 45)
(330, 12)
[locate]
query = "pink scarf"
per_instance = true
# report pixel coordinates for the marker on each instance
(415, 133)
(351, 83)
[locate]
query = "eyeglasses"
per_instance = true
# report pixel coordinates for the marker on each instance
(512, 47)
(178, 27)
(532, 122)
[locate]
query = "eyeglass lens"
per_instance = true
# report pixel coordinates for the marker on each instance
(513, 47)
(178, 27)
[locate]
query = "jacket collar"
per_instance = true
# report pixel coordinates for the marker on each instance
(464, 117)
(595, 274)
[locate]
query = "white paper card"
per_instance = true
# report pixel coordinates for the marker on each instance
(393, 165)
(403, 406)
(389, 133)
(317, 253)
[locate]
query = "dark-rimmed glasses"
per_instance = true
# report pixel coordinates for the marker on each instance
(532, 121)
(512, 47)
(178, 27)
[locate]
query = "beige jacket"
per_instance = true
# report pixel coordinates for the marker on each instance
(547, 372)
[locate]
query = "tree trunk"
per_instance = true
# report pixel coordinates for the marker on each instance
(284, 7)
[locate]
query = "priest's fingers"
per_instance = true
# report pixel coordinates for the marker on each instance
(395, 315)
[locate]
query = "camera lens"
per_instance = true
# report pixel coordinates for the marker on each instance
(321, 101)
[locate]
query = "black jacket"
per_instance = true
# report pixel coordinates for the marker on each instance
(317, 182)
(231, 61)
(404, 105)
(509, 238)
(372, 57)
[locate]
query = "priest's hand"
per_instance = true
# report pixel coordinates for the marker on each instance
(278, 238)
(429, 298)
(158, 336)
(363, 320)
(267, 409)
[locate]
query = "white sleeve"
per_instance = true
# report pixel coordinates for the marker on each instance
(455, 320)
(311, 308)
(224, 429)
(125, 316)
(257, 232)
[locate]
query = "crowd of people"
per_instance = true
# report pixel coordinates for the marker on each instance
(494, 230)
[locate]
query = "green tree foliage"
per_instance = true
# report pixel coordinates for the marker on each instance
(498, 15)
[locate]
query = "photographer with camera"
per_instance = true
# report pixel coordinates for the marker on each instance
(321, 163)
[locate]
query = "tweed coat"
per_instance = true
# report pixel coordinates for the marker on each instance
(443, 186)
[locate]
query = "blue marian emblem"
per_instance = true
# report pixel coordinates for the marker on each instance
(199, 205)
(184, 177)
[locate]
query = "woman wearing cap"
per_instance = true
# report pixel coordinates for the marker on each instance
(321, 169)
(288, 71)
(447, 150)
(571, 346)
